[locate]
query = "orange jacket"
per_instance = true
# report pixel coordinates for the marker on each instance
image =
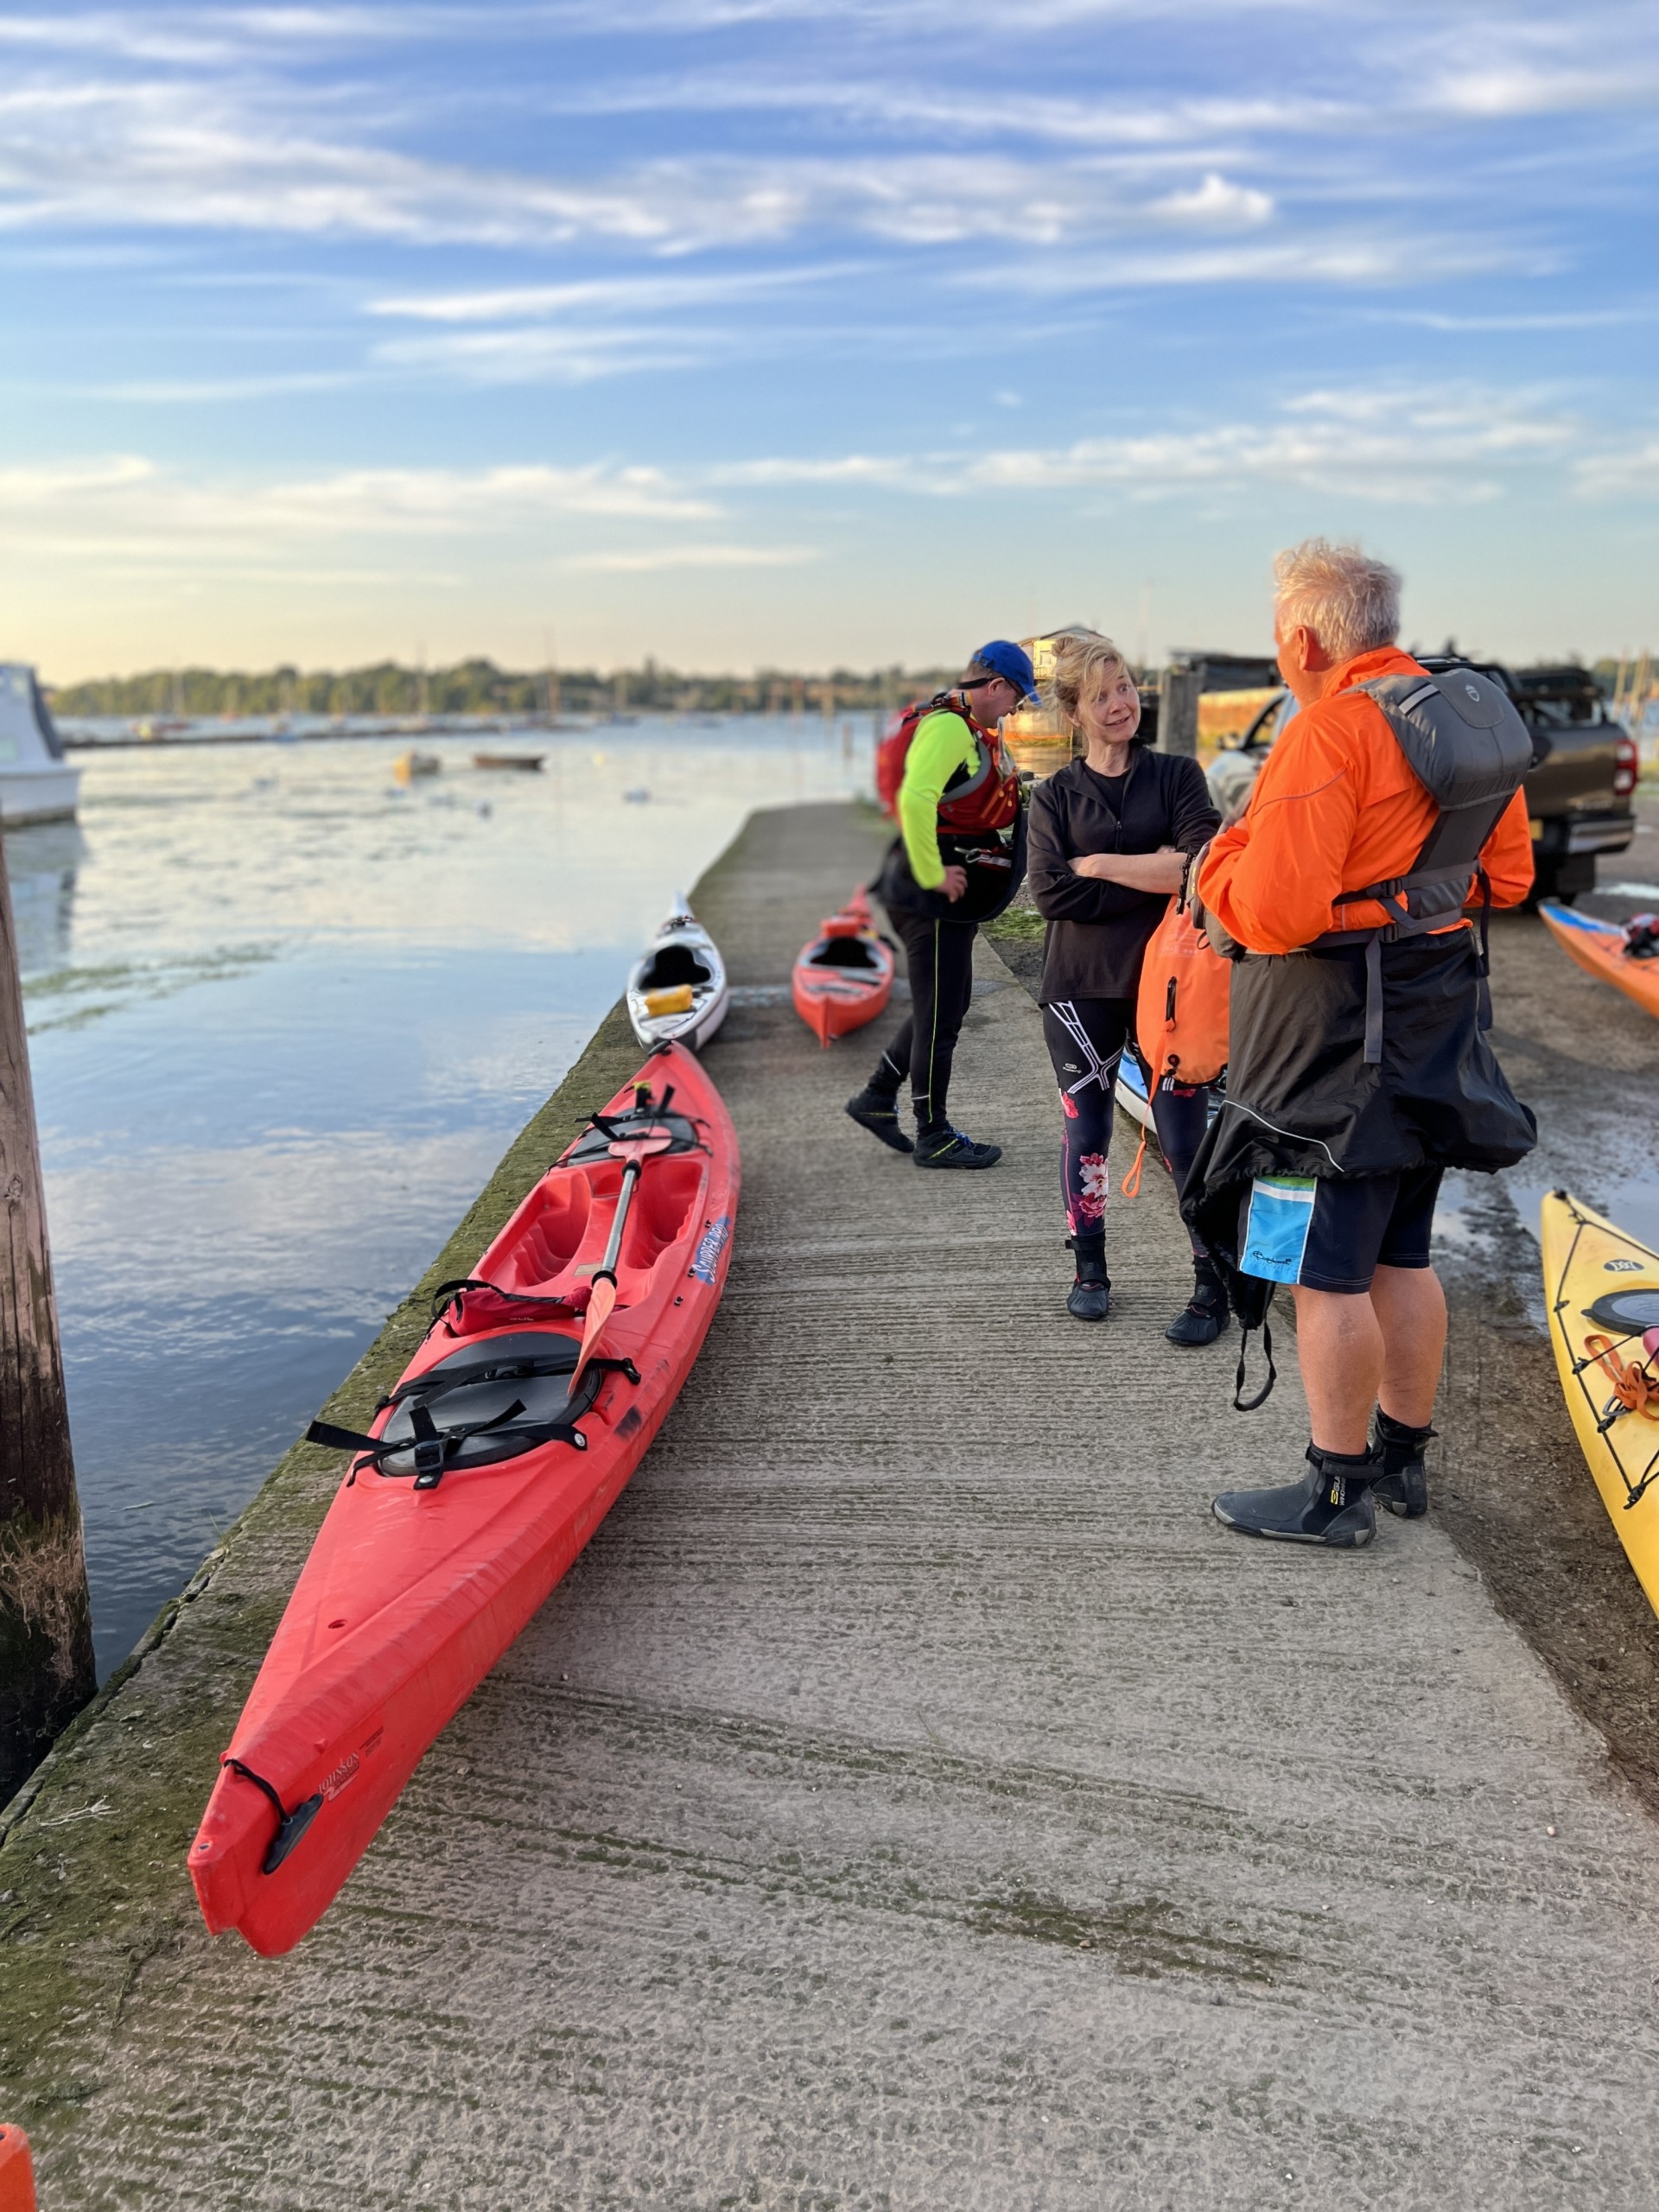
(1336, 807)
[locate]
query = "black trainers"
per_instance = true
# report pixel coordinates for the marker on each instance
(948, 1148)
(1331, 1506)
(1204, 1316)
(1402, 1483)
(879, 1116)
(1091, 1299)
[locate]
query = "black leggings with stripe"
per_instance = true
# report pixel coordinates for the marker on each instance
(1086, 1039)
(940, 958)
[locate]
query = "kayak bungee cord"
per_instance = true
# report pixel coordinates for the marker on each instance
(1598, 1349)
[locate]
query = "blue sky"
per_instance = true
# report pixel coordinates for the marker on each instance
(748, 331)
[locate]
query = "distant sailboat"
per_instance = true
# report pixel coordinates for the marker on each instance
(37, 783)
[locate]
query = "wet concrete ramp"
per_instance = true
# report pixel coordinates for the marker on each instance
(913, 1798)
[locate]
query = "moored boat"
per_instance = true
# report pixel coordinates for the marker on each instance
(843, 977)
(37, 783)
(482, 1476)
(1619, 955)
(677, 991)
(529, 761)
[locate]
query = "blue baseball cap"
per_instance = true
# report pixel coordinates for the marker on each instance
(1010, 662)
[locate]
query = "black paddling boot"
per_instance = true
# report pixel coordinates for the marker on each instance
(1402, 1483)
(1331, 1506)
(1091, 1293)
(1204, 1316)
(878, 1112)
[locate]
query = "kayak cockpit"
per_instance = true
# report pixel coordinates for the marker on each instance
(853, 954)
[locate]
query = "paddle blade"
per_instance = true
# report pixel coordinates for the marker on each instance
(599, 1312)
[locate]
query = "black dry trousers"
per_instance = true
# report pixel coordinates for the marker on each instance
(939, 956)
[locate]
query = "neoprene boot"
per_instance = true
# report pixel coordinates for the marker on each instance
(1331, 1506)
(940, 1146)
(878, 1112)
(1091, 1293)
(1402, 1482)
(1204, 1316)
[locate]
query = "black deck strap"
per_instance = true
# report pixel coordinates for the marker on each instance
(432, 1447)
(447, 1293)
(523, 1367)
(1241, 1403)
(290, 1826)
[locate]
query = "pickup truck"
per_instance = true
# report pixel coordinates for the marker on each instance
(1580, 788)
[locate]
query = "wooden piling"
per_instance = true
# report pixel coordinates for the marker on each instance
(46, 1672)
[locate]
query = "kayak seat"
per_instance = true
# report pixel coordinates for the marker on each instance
(671, 964)
(493, 1401)
(668, 1191)
(594, 1144)
(552, 1236)
(845, 952)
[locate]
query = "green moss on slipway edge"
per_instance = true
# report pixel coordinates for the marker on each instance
(92, 1849)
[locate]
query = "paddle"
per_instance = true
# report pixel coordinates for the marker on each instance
(634, 1152)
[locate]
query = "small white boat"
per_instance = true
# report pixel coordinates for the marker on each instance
(37, 783)
(679, 990)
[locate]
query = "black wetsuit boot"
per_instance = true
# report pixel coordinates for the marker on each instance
(1091, 1293)
(876, 1107)
(1331, 1506)
(1204, 1316)
(1402, 1483)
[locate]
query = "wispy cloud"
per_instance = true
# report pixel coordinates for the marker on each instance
(656, 558)
(1398, 447)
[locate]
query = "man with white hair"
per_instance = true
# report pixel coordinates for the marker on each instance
(1359, 1068)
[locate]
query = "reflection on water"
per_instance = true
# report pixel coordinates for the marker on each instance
(285, 1014)
(42, 863)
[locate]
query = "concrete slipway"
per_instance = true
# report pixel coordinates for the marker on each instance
(913, 1798)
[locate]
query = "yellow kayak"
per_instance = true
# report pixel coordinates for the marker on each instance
(1601, 1288)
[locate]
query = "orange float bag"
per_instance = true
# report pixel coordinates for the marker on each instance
(1181, 1013)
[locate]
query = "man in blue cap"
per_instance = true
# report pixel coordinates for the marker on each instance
(958, 860)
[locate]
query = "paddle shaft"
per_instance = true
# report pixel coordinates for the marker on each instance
(634, 1152)
(631, 1175)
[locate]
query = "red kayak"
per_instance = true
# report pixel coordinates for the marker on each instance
(844, 978)
(481, 1478)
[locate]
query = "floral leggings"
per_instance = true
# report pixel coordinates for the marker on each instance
(1086, 1039)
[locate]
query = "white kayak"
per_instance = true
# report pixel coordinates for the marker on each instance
(1132, 1089)
(678, 990)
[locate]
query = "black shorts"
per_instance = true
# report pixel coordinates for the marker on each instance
(1333, 1232)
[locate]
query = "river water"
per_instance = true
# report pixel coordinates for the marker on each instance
(285, 1016)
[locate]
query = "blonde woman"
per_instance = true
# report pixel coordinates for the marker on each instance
(1111, 835)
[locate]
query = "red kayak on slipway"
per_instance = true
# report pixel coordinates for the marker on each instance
(843, 978)
(512, 1431)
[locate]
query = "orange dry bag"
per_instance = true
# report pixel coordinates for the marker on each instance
(1180, 1017)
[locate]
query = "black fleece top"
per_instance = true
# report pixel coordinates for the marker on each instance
(1097, 933)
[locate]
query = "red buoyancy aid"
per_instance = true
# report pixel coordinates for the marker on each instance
(984, 798)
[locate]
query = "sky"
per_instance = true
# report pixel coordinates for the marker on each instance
(807, 332)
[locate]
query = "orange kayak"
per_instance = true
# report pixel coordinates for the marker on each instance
(481, 1478)
(1599, 950)
(843, 978)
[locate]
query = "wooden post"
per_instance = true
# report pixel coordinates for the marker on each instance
(1178, 710)
(46, 1618)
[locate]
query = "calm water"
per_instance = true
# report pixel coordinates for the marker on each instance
(284, 1018)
